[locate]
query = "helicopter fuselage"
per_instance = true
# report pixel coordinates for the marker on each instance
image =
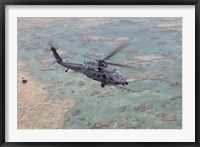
(99, 71)
(104, 74)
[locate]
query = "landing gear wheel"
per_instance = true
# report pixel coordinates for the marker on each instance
(102, 84)
(126, 83)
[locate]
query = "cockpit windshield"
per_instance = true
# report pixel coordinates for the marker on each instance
(117, 75)
(118, 72)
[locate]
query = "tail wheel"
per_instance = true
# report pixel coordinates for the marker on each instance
(102, 84)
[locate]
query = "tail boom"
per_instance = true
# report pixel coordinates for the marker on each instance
(73, 66)
(58, 58)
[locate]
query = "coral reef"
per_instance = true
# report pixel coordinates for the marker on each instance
(106, 38)
(167, 116)
(150, 58)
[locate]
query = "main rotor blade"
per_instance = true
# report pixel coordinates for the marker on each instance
(116, 64)
(126, 66)
(116, 51)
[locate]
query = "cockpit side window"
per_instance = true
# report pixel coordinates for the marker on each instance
(117, 76)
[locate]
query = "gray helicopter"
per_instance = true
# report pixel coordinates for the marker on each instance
(98, 70)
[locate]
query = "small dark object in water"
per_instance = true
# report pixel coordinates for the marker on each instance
(24, 81)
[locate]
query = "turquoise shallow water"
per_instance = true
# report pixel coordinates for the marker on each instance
(155, 101)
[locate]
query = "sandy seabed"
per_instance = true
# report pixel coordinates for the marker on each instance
(35, 108)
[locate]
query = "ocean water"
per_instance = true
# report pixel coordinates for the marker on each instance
(155, 51)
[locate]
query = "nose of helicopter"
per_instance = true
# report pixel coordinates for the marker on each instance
(123, 81)
(120, 79)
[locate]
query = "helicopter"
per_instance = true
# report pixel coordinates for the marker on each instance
(99, 70)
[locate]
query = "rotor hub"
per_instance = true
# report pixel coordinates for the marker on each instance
(102, 63)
